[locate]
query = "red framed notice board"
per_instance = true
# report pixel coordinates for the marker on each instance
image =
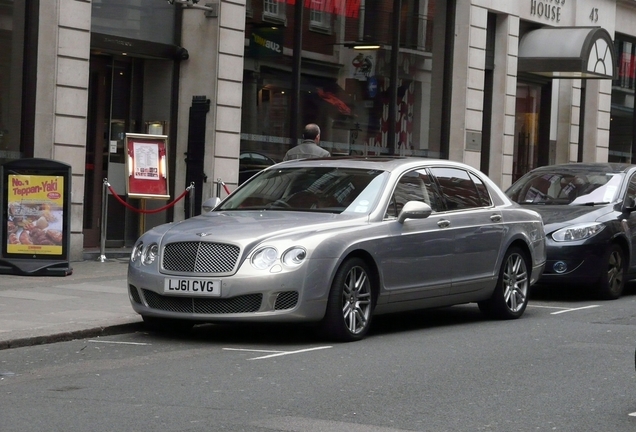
(147, 162)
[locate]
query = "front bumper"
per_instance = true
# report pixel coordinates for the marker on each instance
(573, 263)
(298, 295)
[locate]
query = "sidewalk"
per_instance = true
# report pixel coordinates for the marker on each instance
(90, 302)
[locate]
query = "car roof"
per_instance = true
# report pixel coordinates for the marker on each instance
(384, 163)
(588, 166)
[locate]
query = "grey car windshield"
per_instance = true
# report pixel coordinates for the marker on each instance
(567, 187)
(311, 189)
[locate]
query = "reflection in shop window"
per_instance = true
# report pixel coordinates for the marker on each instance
(318, 18)
(274, 10)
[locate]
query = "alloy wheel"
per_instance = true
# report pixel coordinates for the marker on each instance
(356, 300)
(515, 280)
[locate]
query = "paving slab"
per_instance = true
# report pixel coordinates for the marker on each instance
(92, 301)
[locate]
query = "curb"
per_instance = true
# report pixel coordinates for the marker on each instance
(72, 335)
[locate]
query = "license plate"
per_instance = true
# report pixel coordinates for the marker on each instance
(197, 287)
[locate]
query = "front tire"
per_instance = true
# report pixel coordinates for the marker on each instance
(350, 304)
(612, 281)
(510, 297)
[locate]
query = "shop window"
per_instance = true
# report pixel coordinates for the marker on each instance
(18, 39)
(622, 141)
(346, 90)
(274, 11)
(526, 129)
(626, 65)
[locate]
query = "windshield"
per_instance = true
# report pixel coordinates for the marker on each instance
(310, 189)
(566, 187)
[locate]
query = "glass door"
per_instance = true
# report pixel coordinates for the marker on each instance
(526, 144)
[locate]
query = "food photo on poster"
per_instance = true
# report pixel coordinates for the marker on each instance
(35, 214)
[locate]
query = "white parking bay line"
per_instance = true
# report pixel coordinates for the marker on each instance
(275, 353)
(632, 414)
(118, 343)
(562, 309)
(574, 309)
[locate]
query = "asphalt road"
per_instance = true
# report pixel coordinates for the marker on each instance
(567, 365)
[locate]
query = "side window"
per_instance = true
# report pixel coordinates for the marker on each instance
(415, 185)
(482, 190)
(631, 189)
(458, 189)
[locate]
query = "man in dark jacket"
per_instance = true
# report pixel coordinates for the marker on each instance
(309, 148)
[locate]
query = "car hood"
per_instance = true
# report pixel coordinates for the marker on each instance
(558, 216)
(245, 227)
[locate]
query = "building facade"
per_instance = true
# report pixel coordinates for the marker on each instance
(503, 86)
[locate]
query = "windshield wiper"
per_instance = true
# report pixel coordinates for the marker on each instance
(591, 203)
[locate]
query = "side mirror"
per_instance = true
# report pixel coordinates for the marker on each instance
(414, 210)
(209, 204)
(630, 204)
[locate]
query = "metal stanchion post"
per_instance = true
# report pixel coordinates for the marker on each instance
(102, 241)
(191, 199)
(219, 182)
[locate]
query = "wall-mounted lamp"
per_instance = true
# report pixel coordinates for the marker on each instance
(366, 47)
(211, 9)
(361, 45)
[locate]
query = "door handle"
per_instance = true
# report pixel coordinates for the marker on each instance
(495, 218)
(443, 223)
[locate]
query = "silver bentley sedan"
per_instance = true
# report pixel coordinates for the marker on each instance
(336, 241)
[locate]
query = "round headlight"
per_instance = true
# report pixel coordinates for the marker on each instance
(264, 258)
(135, 254)
(150, 254)
(294, 256)
(577, 232)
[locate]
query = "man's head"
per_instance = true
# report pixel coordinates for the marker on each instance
(312, 132)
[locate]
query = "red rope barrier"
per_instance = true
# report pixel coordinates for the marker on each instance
(227, 191)
(167, 206)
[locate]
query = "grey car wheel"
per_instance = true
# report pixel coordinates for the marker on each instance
(510, 297)
(612, 281)
(350, 304)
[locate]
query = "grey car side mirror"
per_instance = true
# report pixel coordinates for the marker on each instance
(209, 204)
(414, 210)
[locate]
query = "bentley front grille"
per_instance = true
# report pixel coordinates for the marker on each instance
(200, 257)
(240, 304)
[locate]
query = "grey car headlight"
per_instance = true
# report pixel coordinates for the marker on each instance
(150, 254)
(577, 232)
(295, 256)
(264, 258)
(135, 254)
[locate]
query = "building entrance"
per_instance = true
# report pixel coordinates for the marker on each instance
(113, 96)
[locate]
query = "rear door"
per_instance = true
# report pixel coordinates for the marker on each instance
(476, 225)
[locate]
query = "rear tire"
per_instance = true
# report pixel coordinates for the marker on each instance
(350, 305)
(611, 284)
(510, 297)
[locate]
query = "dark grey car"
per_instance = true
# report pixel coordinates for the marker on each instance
(588, 211)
